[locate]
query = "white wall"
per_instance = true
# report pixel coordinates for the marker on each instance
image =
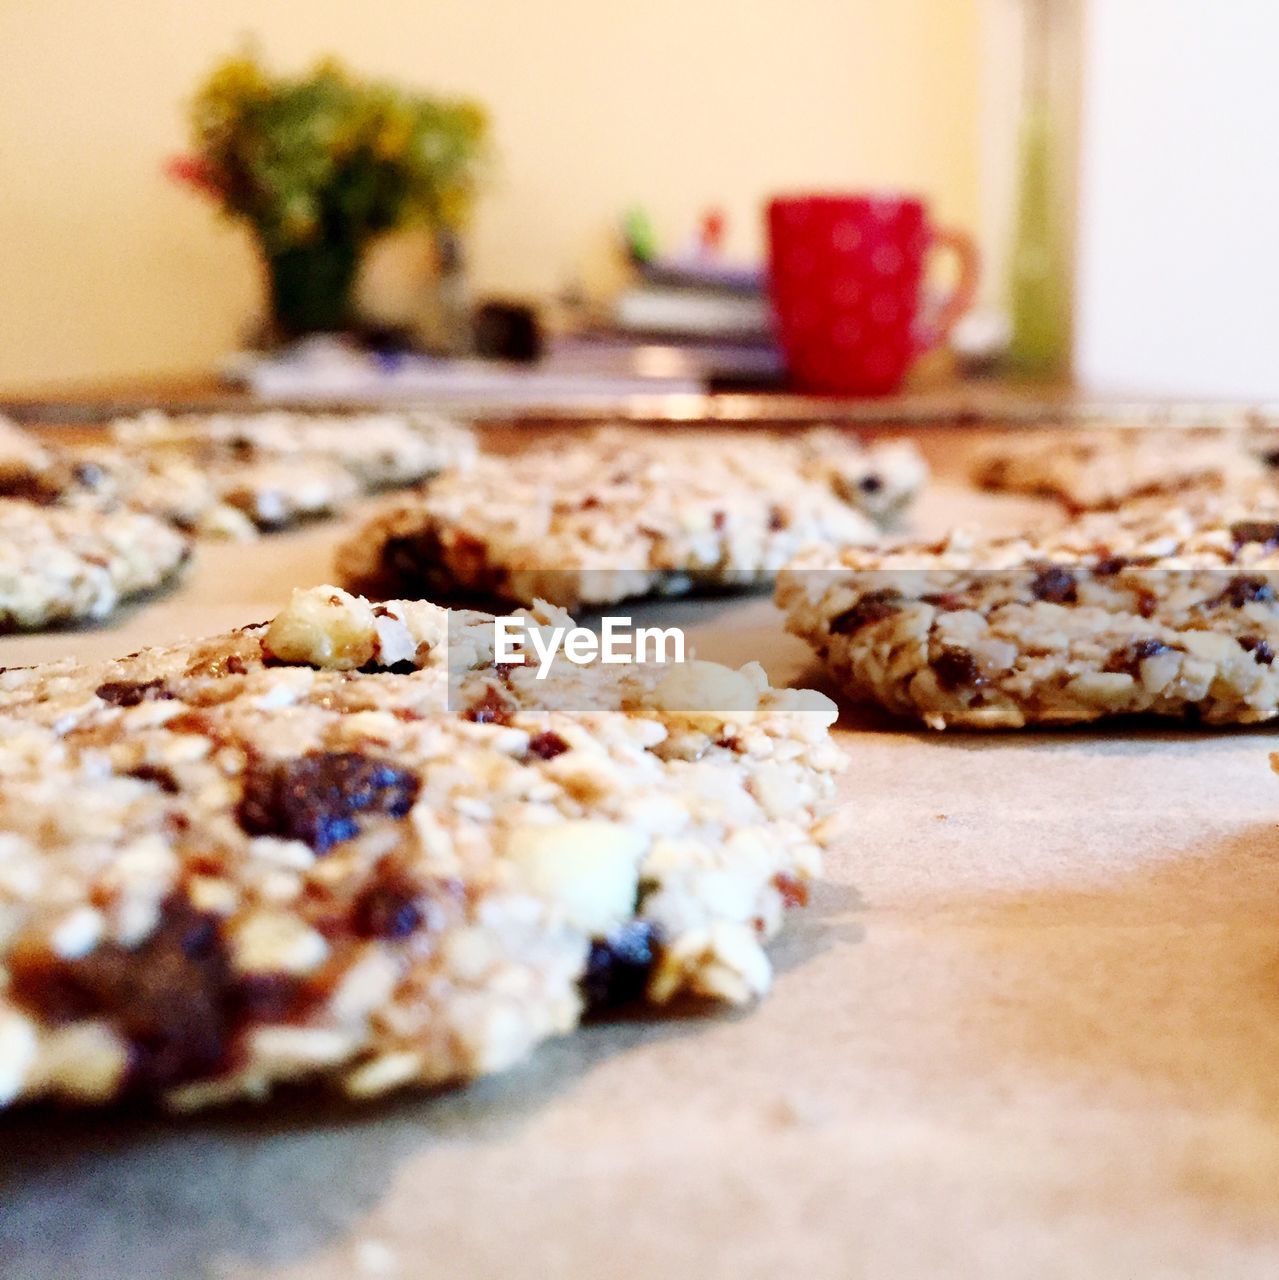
(1178, 250)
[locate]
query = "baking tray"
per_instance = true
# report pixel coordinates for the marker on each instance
(994, 405)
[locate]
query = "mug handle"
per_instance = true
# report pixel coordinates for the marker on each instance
(961, 298)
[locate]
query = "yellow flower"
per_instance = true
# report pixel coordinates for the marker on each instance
(237, 78)
(331, 68)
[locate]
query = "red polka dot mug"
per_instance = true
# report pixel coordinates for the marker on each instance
(844, 277)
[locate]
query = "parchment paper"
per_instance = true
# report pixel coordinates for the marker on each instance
(1028, 1027)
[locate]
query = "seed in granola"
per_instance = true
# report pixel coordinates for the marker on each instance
(1262, 653)
(128, 693)
(776, 519)
(957, 669)
(875, 606)
(617, 967)
(316, 798)
(870, 483)
(1055, 585)
(547, 745)
(1245, 589)
(1128, 660)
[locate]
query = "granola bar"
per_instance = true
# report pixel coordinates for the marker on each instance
(344, 845)
(211, 492)
(1102, 468)
(626, 513)
(1167, 612)
(63, 566)
(380, 450)
(214, 487)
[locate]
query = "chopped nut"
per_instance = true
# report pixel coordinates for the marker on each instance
(382, 1074)
(86, 1062)
(77, 934)
(276, 942)
(705, 693)
(17, 1053)
(323, 627)
(588, 868)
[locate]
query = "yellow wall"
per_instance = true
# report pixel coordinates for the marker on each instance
(106, 269)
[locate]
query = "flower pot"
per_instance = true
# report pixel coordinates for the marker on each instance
(312, 289)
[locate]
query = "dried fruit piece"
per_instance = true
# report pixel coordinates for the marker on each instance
(1055, 585)
(174, 999)
(128, 693)
(387, 909)
(490, 708)
(1128, 660)
(317, 798)
(547, 745)
(618, 967)
(157, 774)
(957, 669)
(1261, 651)
(874, 606)
(1265, 532)
(1246, 589)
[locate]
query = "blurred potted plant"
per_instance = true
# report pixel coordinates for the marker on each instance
(320, 165)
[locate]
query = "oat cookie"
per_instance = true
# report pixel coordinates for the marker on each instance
(276, 492)
(381, 450)
(98, 477)
(625, 513)
(881, 480)
(61, 566)
(26, 465)
(210, 491)
(169, 487)
(1170, 612)
(1101, 468)
(305, 849)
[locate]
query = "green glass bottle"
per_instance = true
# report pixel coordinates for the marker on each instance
(1039, 267)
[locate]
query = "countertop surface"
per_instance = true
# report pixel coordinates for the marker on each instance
(1029, 1025)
